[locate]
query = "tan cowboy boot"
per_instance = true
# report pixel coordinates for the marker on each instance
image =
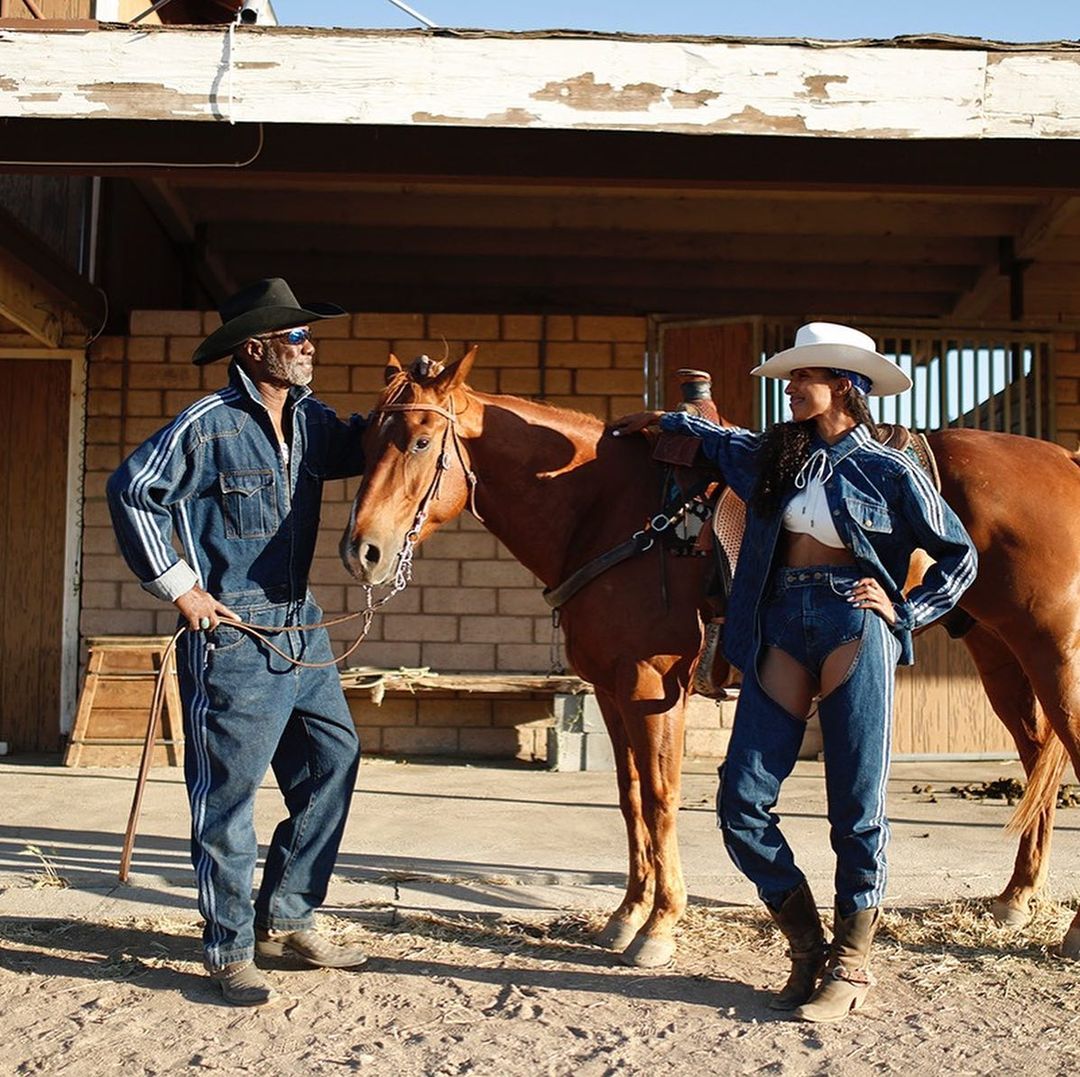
(310, 947)
(798, 919)
(242, 984)
(847, 979)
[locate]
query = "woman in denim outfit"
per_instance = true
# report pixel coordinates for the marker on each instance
(818, 613)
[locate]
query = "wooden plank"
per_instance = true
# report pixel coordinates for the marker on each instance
(726, 352)
(718, 214)
(941, 707)
(281, 240)
(1040, 229)
(425, 682)
(600, 298)
(527, 269)
(33, 421)
(28, 306)
(178, 226)
(294, 75)
(117, 695)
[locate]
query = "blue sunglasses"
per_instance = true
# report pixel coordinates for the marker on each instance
(291, 336)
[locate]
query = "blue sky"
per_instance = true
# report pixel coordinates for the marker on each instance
(1037, 20)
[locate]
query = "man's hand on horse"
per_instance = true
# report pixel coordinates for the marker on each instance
(634, 424)
(201, 610)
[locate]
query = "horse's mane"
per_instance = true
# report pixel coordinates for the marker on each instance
(399, 384)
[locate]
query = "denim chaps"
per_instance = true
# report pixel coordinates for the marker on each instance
(806, 613)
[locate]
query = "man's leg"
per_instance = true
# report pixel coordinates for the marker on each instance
(315, 766)
(234, 712)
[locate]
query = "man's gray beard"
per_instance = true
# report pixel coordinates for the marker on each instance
(293, 371)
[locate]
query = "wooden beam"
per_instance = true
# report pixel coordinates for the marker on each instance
(29, 306)
(39, 293)
(174, 218)
(536, 81)
(993, 284)
(700, 213)
(600, 297)
(282, 239)
(627, 159)
(411, 271)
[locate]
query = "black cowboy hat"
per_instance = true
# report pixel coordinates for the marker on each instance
(263, 307)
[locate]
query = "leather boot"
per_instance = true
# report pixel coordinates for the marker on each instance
(847, 979)
(242, 984)
(798, 919)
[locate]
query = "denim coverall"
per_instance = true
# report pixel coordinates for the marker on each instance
(247, 515)
(884, 508)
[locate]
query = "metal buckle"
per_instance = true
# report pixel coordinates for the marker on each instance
(647, 544)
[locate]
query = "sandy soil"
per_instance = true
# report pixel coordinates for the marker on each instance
(505, 997)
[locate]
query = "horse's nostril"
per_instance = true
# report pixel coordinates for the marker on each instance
(371, 553)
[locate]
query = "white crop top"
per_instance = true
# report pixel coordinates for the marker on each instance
(808, 514)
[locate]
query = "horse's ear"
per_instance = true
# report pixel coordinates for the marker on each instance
(393, 368)
(456, 373)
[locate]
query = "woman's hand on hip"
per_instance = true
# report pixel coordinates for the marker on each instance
(868, 594)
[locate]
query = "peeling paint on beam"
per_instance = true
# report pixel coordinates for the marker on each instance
(288, 75)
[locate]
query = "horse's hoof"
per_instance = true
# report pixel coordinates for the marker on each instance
(616, 935)
(648, 953)
(1070, 945)
(1006, 915)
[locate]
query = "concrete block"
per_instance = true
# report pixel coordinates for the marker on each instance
(579, 751)
(578, 714)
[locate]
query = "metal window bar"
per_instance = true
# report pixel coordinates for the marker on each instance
(981, 379)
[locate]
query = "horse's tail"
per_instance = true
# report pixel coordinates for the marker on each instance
(1042, 785)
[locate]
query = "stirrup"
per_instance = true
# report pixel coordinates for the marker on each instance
(704, 685)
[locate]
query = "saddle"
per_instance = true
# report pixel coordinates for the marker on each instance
(713, 677)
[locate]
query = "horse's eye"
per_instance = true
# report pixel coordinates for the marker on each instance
(421, 444)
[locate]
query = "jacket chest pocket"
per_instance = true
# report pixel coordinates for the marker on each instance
(249, 499)
(871, 521)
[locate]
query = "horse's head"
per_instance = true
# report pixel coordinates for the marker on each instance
(416, 467)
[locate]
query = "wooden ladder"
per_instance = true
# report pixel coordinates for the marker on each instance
(115, 702)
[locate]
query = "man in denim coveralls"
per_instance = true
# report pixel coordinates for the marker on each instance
(238, 478)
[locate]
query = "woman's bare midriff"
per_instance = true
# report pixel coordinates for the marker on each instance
(800, 551)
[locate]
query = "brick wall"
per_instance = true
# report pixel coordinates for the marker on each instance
(471, 607)
(1067, 399)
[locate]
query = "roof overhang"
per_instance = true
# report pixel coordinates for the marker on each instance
(554, 81)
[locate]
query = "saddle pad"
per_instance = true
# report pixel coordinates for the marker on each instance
(913, 444)
(728, 524)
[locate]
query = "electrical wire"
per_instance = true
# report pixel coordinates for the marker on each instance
(148, 164)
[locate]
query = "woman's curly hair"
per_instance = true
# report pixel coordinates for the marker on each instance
(783, 450)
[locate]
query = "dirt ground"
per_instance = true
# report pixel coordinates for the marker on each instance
(476, 890)
(505, 996)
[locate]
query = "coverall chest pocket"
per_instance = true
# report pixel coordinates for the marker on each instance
(249, 498)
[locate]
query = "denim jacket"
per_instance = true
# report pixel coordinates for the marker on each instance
(246, 513)
(884, 508)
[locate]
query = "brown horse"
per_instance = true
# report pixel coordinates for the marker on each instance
(558, 492)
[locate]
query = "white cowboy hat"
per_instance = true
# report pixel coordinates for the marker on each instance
(837, 347)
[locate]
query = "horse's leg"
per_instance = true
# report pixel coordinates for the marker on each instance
(1051, 666)
(655, 721)
(624, 922)
(1013, 700)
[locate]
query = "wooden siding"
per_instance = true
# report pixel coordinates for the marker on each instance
(33, 495)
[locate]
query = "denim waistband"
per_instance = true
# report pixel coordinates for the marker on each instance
(263, 598)
(784, 579)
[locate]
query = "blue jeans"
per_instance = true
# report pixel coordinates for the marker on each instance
(806, 613)
(246, 710)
